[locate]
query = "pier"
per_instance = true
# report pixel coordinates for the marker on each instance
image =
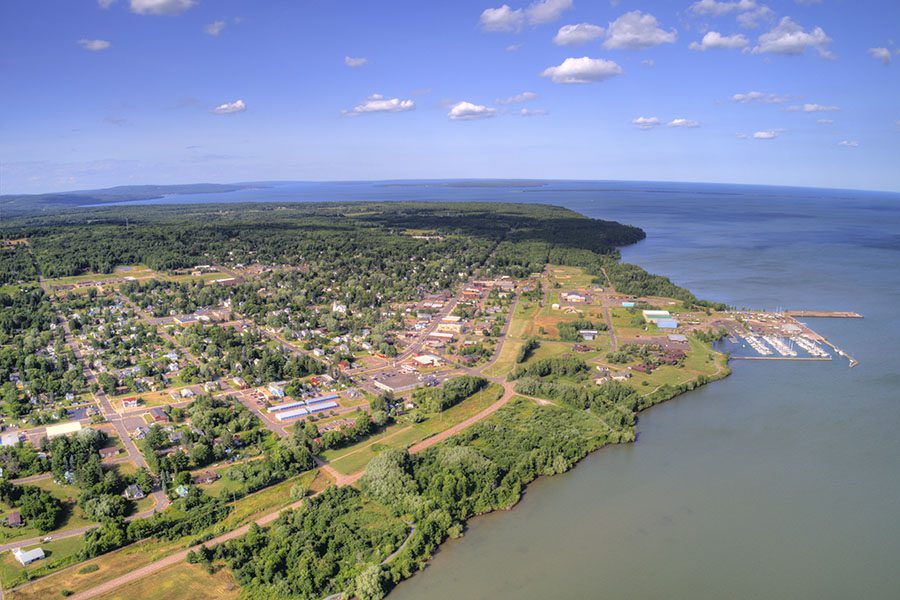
(824, 314)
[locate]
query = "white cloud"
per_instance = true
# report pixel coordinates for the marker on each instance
(648, 62)
(849, 143)
(354, 62)
(683, 123)
(517, 99)
(646, 122)
(378, 103)
(105, 3)
(812, 108)
(769, 134)
(161, 7)
(635, 30)
(513, 47)
(502, 18)
(582, 70)
(825, 121)
(790, 39)
(882, 54)
(714, 39)
(230, 108)
(93, 45)
(573, 35)
(759, 97)
(546, 11)
(215, 28)
(717, 9)
(752, 18)
(466, 111)
(532, 112)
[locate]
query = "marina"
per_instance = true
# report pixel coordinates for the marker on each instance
(759, 335)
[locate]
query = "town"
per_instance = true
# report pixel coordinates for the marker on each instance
(185, 404)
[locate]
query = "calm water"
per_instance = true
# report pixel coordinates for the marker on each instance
(782, 481)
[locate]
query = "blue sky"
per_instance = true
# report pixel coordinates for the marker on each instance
(797, 92)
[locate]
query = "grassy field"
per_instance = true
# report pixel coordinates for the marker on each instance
(137, 271)
(59, 554)
(180, 582)
(570, 277)
(353, 458)
(149, 399)
(109, 566)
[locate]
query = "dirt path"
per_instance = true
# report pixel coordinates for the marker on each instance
(508, 393)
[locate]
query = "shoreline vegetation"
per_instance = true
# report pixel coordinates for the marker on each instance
(549, 408)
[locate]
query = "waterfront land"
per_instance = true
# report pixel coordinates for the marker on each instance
(333, 389)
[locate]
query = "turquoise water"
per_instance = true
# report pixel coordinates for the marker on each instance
(782, 481)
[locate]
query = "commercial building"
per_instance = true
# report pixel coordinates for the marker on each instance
(651, 316)
(63, 429)
(667, 323)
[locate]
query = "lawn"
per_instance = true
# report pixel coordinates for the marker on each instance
(356, 457)
(59, 554)
(182, 581)
(136, 271)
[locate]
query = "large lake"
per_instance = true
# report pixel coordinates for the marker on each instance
(782, 481)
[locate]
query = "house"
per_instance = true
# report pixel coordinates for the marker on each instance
(206, 477)
(185, 393)
(181, 491)
(588, 334)
(131, 402)
(159, 415)
(14, 519)
(140, 433)
(26, 557)
(107, 452)
(133, 492)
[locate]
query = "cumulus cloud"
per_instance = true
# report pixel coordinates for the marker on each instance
(230, 108)
(517, 99)
(849, 143)
(466, 111)
(573, 35)
(532, 112)
(502, 18)
(759, 97)
(790, 39)
(215, 28)
(93, 45)
(646, 122)
(714, 39)
(582, 70)
(635, 30)
(354, 62)
(105, 3)
(752, 18)
(688, 123)
(161, 7)
(810, 107)
(769, 134)
(716, 8)
(378, 103)
(546, 11)
(882, 54)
